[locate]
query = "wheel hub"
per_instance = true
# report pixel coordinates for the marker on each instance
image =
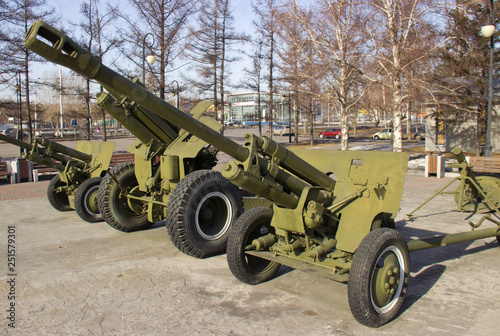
(206, 214)
(91, 201)
(387, 280)
(213, 216)
(133, 204)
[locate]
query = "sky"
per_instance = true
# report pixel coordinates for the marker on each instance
(68, 10)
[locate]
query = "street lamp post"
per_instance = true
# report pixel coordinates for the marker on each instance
(290, 116)
(176, 92)
(150, 59)
(61, 102)
(289, 96)
(488, 31)
(17, 88)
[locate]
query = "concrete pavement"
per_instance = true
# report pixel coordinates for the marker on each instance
(77, 278)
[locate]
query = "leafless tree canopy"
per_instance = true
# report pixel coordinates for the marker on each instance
(386, 57)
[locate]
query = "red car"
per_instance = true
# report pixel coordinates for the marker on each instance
(331, 133)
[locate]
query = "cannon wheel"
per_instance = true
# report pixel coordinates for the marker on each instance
(59, 200)
(253, 224)
(490, 186)
(115, 207)
(378, 278)
(201, 211)
(86, 205)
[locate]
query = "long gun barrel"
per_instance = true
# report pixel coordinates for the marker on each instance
(15, 142)
(144, 124)
(56, 47)
(50, 150)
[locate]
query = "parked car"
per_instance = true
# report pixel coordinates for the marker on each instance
(282, 130)
(331, 133)
(12, 132)
(420, 135)
(235, 123)
(384, 134)
(45, 133)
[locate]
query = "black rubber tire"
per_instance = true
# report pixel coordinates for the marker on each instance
(86, 204)
(376, 137)
(203, 192)
(321, 136)
(113, 203)
(58, 200)
(253, 224)
(337, 136)
(378, 256)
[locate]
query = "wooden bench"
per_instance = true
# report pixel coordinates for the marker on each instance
(481, 164)
(42, 170)
(118, 158)
(5, 171)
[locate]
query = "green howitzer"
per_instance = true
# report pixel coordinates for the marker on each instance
(473, 194)
(133, 195)
(80, 172)
(333, 211)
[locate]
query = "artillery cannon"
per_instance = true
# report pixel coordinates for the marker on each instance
(473, 194)
(80, 172)
(333, 211)
(134, 195)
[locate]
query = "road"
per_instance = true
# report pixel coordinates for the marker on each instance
(362, 141)
(77, 278)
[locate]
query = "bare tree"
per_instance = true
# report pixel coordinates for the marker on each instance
(210, 49)
(335, 28)
(400, 28)
(266, 24)
(460, 77)
(98, 40)
(292, 54)
(253, 77)
(377, 100)
(5, 56)
(22, 14)
(165, 20)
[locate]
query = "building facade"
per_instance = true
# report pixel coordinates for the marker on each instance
(244, 107)
(442, 135)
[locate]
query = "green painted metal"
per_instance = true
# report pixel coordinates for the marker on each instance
(473, 194)
(324, 202)
(381, 173)
(61, 50)
(89, 159)
(123, 114)
(56, 47)
(444, 240)
(262, 166)
(299, 167)
(320, 269)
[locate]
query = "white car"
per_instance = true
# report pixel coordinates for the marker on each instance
(384, 134)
